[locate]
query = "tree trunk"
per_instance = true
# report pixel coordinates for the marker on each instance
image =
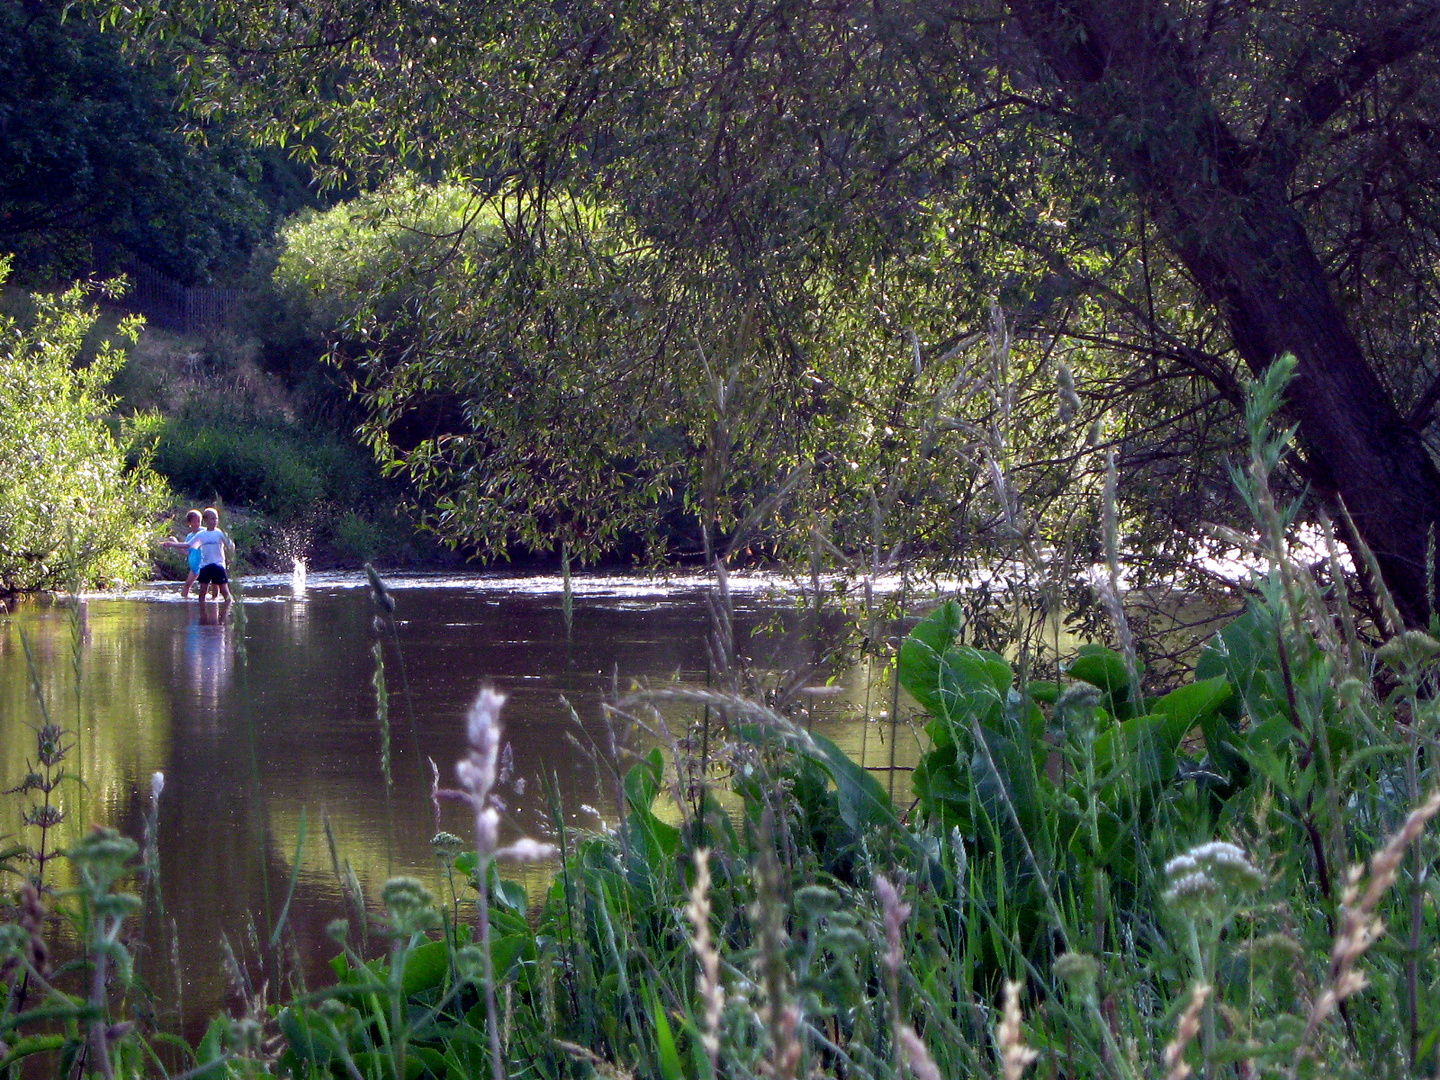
(1223, 209)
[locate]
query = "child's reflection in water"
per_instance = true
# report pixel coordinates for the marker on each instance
(209, 657)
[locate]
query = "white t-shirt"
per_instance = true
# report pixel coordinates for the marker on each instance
(211, 543)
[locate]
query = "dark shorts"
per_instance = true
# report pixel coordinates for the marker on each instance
(213, 574)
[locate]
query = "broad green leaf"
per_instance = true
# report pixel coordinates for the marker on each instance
(425, 967)
(1193, 702)
(973, 683)
(921, 653)
(864, 803)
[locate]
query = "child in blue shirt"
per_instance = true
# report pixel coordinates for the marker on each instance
(192, 522)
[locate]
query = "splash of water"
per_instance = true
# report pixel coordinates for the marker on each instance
(297, 579)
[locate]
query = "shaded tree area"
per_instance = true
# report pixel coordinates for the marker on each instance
(1163, 197)
(97, 168)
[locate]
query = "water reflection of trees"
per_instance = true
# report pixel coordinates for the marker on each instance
(248, 743)
(119, 723)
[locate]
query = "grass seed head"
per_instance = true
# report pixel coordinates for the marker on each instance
(1186, 1028)
(1015, 1056)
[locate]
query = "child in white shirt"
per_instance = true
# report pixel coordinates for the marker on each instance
(212, 545)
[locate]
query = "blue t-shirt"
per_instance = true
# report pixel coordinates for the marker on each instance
(194, 554)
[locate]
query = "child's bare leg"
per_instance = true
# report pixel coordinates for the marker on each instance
(224, 591)
(204, 588)
(189, 581)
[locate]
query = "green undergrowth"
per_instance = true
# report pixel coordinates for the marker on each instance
(276, 448)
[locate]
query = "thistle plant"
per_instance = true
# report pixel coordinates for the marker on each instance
(43, 778)
(101, 859)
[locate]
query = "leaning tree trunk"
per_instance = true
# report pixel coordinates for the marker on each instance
(1223, 209)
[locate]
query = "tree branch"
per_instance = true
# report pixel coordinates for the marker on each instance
(1380, 46)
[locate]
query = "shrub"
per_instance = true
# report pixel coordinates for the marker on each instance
(272, 467)
(72, 511)
(359, 539)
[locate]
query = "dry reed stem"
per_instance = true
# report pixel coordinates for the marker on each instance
(780, 1015)
(1186, 1028)
(1015, 1056)
(1359, 926)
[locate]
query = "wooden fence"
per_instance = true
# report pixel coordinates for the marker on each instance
(182, 309)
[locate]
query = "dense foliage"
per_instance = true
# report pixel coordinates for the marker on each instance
(587, 393)
(95, 168)
(1158, 195)
(72, 511)
(1159, 898)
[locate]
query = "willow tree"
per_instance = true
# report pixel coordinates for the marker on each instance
(1191, 188)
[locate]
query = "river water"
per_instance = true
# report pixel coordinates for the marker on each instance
(266, 718)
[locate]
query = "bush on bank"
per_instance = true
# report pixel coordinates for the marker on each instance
(73, 509)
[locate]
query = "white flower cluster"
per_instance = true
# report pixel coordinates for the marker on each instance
(478, 773)
(1209, 873)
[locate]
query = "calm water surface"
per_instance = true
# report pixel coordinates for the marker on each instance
(258, 726)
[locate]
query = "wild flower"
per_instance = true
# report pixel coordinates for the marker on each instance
(1214, 873)
(1078, 697)
(411, 907)
(23, 948)
(478, 772)
(44, 775)
(527, 850)
(470, 964)
(447, 847)
(894, 912)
